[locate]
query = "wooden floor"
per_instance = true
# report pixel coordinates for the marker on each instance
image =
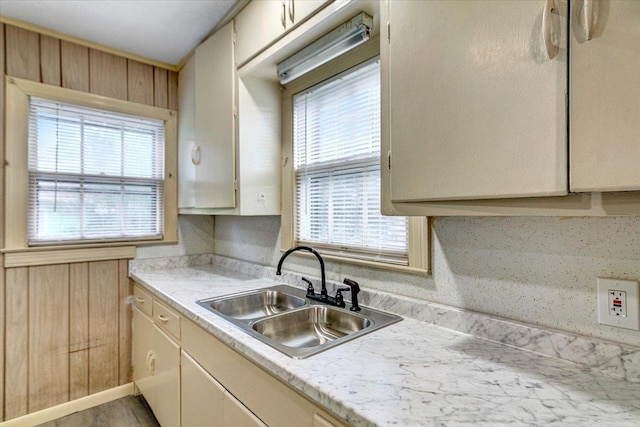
(131, 411)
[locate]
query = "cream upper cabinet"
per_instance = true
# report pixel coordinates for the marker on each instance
(207, 129)
(476, 100)
(262, 22)
(605, 95)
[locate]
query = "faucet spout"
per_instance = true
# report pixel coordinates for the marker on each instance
(323, 291)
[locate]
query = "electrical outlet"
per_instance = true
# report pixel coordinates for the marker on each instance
(619, 303)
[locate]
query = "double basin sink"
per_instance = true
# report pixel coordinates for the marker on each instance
(283, 318)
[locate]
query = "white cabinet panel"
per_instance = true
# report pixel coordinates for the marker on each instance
(166, 384)
(262, 22)
(207, 125)
(142, 341)
(202, 396)
(187, 134)
(476, 107)
(605, 96)
(237, 415)
(299, 10)
(258, 25)
(156, 369)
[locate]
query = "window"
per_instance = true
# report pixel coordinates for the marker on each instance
(336, 154)
(331, 178)
(93, 175)
(87, 170)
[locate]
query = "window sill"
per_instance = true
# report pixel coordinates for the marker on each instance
(64, 255)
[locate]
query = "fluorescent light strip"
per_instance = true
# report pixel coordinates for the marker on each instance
(333, 44)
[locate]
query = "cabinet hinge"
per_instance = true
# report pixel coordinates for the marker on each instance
(388, 32)
(389, 161)
(235, 184)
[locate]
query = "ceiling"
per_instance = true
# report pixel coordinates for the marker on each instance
(162, 30)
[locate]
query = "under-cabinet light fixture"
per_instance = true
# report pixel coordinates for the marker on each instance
(333, 44)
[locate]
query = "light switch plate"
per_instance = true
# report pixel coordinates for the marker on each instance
(610, 290)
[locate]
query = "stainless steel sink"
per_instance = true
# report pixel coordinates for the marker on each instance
(254, 305)
(283, 318)
(310, 327)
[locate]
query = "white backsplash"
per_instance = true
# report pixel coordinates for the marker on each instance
(195, 236)
(536, 270)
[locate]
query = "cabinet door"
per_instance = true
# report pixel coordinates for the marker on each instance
(476, 106)
(237, 415)
(258, 25)
(215, 83)
(202, 396)
(299, 10)
(165, 364)
(142, 342)
(187, 195)
(605, 94)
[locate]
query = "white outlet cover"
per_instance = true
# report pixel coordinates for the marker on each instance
(631, 288)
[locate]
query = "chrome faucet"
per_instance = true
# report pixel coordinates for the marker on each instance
(324, 295)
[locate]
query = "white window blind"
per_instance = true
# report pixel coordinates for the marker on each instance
(336, 140)
(93, 175)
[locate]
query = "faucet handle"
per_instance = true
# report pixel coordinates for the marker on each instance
(310, 290)
(339, 297)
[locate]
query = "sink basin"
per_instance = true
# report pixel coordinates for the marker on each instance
(255, 304)
(281, 317)
(311, 326)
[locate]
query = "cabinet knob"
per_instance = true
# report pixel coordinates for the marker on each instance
(151, 362)
(195, 155)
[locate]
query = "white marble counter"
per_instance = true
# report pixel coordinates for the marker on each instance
(414, 373)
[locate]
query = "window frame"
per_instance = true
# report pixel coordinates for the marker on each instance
(419, 232)
(18, 92)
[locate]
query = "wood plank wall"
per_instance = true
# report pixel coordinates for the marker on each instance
(66, 329)
(2, 298)
(46, 59)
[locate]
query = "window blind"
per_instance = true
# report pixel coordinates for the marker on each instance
(93, 175)
(336, 140)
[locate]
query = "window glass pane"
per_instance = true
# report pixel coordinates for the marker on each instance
(336, 127)
(102, 150)
(94, 175)
(50, 155)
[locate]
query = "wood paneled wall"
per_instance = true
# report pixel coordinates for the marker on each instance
(66, 328)
(67, 331)
(46, 59)
(2, 320)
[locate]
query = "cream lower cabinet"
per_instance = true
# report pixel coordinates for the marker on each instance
(191, 379)
(206, 403)
(156, 362)
(251, 397)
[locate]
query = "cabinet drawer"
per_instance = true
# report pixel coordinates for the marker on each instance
(143, 300)
(167, 319)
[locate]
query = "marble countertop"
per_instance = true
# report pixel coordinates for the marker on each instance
(414, 373)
